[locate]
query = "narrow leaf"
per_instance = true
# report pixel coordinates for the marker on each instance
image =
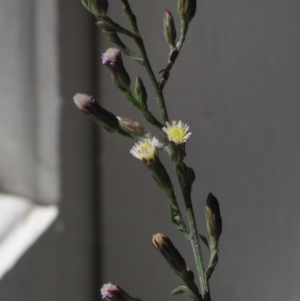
(183, 290)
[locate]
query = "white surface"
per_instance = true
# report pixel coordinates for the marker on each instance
(21, 224)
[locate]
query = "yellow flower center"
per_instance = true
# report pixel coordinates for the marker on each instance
(145, 150)
(176, 133)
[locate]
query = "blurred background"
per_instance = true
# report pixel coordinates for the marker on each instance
(236, 83)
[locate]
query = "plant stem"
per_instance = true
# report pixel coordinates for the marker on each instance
(147, 114)
(140, 43)
(181, 170)
(158, 88)
(173, 55)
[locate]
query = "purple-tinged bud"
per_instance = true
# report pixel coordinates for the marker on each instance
(104, 118)
(112, 59)
(187, 10)
(213, 218)
(113, 292)
(85, 103)
(133, 128)
(140, 92)
(169, 29)
(165, 246)
(96, 7)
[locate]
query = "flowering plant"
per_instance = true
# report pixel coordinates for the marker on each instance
(174, 137)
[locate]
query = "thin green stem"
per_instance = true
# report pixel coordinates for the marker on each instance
(173, 55)
(140, 43)
(158, 93)
(196, 244)
(147, 114)
(182, 174)
(108, 24)
(132, 99)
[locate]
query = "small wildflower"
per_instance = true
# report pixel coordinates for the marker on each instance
(146, 150)
(177, 132)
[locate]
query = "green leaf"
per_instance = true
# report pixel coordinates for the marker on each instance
(205, 240)
(183, 290)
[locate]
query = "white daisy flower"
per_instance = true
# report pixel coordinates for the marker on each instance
(177, 132)
(146, 150)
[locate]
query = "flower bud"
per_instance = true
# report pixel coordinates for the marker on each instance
(164, 245)
(133, 128)
(140, 92)
(104, 118)
(96, 7)
(213, 217)
(187, 10)
(169, 29)
(112, 59)
(113, 292)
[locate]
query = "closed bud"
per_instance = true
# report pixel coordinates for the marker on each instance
(213, 217)
(105, 27)
(133, 128)
(190, 274)
(187, 10)
(140, 92)
(102, 117)
(165, 246)
(113, 292)
(112, 59)
(96, 7)
(169, 29)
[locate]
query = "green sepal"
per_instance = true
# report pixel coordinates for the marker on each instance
(204, 240)
(212, 263)
(177, 220)
(184, 290)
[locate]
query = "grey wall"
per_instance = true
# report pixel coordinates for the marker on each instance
(47, 149)
(236, 85)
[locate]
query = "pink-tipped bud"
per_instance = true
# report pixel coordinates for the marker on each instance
(165, 246)
(113, 292)
(104, 118)
(84, 102)
(169, 29)
(112, 59)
